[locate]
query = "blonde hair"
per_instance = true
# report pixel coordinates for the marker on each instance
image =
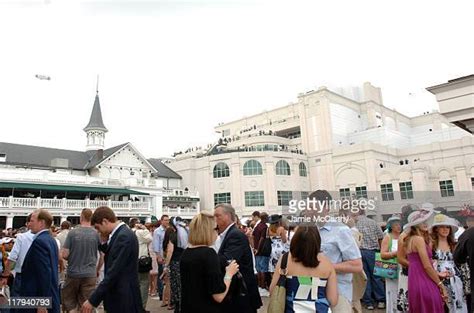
(201, 229)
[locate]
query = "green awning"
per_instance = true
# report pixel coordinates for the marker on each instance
(69, 188)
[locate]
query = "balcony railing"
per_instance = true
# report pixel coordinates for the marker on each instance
(15, 204)
(180, 193)
(179, 211)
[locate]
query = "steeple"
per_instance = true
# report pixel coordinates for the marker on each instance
(96, 129)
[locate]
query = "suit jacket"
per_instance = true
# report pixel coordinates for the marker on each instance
(120, 288)
(235, 246)
(40, 271)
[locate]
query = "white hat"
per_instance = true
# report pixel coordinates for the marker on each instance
(394, 218)
(5, 240)
(419, 216)
(443, 220)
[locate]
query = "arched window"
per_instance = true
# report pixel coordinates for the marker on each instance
(252, 167)
(221, 170)
(303, 171)
(283, 168)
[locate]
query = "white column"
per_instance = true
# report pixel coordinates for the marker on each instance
(63, 218)
(9, 223)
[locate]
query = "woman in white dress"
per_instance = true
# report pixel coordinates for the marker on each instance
(389, 251)
(442, 235)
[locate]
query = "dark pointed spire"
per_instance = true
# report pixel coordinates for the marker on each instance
(95, 122)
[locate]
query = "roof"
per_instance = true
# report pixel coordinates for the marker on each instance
(17, 154)
(95, 122)
(70, 188)
(94, 155)
(26, 155)
(163, 170)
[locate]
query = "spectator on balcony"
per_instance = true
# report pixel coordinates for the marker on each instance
(81, 251)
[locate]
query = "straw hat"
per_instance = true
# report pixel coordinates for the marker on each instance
(443, 220)
(419, 216)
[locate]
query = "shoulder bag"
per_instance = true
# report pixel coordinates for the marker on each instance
(386, 268)
(278, 296)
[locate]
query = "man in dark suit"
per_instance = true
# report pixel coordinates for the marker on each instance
(120, 288)
(40, 267)
(232, 244)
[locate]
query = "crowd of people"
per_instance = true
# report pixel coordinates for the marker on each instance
(417, 262)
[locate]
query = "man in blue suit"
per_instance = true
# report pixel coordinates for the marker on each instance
(119, 290)
(40, 267)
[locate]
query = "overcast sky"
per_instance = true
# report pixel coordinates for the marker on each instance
(170, 71)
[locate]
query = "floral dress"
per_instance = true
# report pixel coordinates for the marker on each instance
(453, 284)
(278, 249)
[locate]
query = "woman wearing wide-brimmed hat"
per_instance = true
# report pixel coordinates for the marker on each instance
(277, 233)
(442, 234)
(426, 290)
(388, 251)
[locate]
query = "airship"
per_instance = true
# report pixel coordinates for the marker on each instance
(42, 77)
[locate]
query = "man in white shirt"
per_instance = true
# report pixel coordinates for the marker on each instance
(17, 256)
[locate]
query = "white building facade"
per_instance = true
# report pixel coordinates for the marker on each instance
(66, 181)
(346, 142)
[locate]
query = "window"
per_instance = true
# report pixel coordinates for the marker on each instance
(472, 178)
(3, 157)
(284, 197)
(344, 193)
(361, 192)
(387, 192)
(221, 198)
(446, 187)
(303, 171)
(253, 167)
(283, 168)
(221, 170)
(254, 198)
(304, 195)
(406, 190)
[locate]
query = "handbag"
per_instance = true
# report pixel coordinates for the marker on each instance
(265, 246)
(145, 263)
(4, 296)
(386, 268)
(278, 296)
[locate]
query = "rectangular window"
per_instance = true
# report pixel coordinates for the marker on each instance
(446, 188)
(361, 192)
(284, 197)
(345, 193)
(387, 192)
(472, 179)
(406, 190)
(221, 198)
(3, 157)
(254, 198)
(304, 195)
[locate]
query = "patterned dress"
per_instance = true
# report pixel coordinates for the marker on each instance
(306, 294)
(453, 284)
(278, 249)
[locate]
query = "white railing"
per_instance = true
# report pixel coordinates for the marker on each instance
(71, 204)
(180, 211)
(180, 193)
